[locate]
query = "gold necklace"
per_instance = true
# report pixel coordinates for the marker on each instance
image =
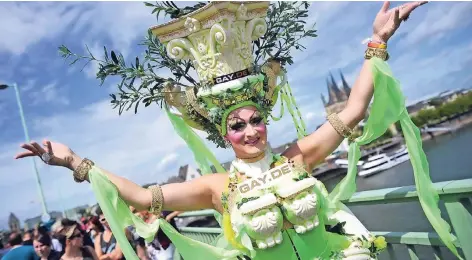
(253, 159)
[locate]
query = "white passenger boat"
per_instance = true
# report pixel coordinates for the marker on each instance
(383, 161)
(379, 162)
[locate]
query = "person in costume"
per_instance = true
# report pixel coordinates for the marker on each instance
(268, 205)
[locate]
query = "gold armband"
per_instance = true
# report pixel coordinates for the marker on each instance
(157, 200)
(80, 173)
(339, 126)
(376, 52)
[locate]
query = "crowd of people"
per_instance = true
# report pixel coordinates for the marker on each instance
(90, 238)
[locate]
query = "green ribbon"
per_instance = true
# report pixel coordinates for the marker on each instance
(389, 107)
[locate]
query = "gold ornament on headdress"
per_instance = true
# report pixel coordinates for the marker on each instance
(217, 38)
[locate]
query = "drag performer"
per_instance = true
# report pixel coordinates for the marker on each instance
(268, 205)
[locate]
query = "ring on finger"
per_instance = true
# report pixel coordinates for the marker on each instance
(46, 157)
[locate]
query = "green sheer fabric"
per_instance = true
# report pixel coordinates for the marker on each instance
(118, 214)
(203, 155)
(389, 107)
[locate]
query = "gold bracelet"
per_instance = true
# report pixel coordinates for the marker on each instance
(339, 126)
(376, 52)
(80, 173)
(157, 200)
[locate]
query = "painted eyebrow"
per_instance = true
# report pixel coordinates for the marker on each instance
(251, 117)
(257, 113)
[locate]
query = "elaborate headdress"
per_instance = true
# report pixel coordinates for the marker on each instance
(218, 39)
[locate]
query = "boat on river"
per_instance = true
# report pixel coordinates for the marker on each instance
(378, 162)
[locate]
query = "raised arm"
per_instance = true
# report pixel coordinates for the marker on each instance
(200, 193)
(314, 148)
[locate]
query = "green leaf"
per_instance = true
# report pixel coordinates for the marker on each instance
(136, 107)
(113, 57)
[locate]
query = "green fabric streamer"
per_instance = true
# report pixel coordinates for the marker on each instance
(287, 100)
(389, 107)
(118, 214)
(203, 155)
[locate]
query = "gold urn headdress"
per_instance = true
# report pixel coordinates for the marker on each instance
(218, 39)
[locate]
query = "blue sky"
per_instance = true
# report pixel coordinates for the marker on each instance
(430, 53)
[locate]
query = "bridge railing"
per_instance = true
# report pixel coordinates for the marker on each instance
(455, 195)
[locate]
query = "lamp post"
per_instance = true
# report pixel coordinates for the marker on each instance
(45, 216)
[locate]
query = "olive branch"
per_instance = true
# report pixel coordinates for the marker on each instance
(140, 80)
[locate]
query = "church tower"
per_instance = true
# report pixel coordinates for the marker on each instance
(337, 97)
(13, 223)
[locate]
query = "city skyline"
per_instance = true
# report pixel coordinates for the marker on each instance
(67, 105)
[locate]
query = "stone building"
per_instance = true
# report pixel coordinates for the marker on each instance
(337, 96)
(13, 223)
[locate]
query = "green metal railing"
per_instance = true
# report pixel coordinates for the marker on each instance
(455, 195)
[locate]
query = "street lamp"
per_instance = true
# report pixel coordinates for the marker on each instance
(45, 216)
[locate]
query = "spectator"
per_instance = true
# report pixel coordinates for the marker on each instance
(106, 246)
(95, 228)
(87, 241)
(28, 238)
(161, 248)
(3, 249)
(74, 245)
(55, 236)
(42, 246)
(19, 251)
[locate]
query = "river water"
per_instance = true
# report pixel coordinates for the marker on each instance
(449, 158)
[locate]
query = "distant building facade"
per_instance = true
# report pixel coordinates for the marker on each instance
(32, 222)
(14, 223)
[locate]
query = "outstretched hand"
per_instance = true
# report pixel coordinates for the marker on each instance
(388, 20)
(59, 154)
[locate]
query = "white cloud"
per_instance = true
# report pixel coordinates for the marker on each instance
(438, 22)
(168, 159)
(313, 115)
(25, 24)
(49, 94)
(419, 75)
(122, 22)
